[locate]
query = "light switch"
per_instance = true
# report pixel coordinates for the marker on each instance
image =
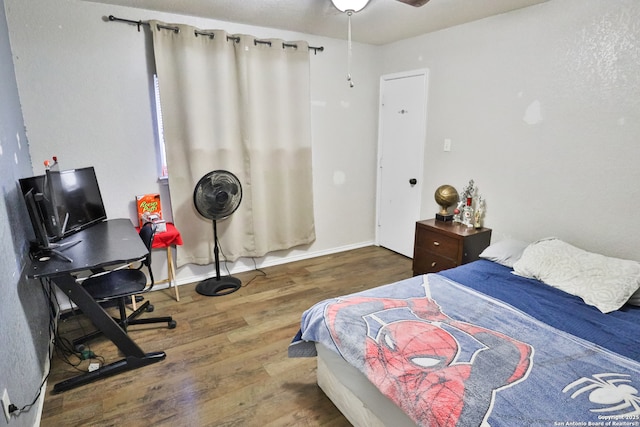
(447, 144)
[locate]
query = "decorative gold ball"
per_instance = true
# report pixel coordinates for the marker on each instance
(446, 196)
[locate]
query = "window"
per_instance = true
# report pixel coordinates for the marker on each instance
(162, 156)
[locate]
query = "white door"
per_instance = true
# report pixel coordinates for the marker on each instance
(402, 132)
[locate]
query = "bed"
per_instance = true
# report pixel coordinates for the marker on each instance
(545, 334)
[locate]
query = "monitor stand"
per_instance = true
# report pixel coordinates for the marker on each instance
(44, 254)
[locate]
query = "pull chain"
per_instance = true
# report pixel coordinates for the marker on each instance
(349, 80)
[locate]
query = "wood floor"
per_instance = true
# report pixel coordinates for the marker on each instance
(226, 361)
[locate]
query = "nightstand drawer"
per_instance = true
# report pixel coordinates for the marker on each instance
(432, 263)
(443, 245)
(438, 243)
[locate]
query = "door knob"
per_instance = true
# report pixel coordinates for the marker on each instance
(413, 181)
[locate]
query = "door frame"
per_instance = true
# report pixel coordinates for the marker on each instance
(394, 76)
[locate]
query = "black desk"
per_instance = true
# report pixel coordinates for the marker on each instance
(111, 242)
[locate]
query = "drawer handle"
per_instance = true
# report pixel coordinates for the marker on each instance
(436, 243)
(433, 264)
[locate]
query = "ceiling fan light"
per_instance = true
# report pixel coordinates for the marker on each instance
(350, 5)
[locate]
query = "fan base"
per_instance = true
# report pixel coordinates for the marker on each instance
(217, 287)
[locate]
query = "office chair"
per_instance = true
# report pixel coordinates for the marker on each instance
(123, 285)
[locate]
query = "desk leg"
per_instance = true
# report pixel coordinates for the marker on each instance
(172, 272)
(135, 357)
(114, 368)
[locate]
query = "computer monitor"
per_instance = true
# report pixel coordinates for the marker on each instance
(78, 199)
(35, 214)
(67, 201)
(37, 194)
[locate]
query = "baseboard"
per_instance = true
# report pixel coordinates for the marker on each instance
(39, 404)
(270, 262)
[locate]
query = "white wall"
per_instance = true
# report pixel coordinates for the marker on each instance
(543, 109)
(87, 98)
(541, 105)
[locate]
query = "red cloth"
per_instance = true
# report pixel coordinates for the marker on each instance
(166, 238)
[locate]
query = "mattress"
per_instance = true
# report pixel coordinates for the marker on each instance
(354, 395)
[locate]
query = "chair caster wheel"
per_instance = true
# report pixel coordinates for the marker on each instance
(150, 308)
(172, 324)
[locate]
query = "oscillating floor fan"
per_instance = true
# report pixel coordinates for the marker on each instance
(216, 196)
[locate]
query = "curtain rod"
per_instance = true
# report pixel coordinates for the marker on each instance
(203, 33)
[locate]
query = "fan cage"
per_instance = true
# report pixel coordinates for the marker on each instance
(217, 194)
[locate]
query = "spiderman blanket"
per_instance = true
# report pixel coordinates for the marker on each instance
(451, 356)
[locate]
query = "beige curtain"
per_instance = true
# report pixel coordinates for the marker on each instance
(233, 103)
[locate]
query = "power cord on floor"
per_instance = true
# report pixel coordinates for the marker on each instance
(255, 267)
(65, 349)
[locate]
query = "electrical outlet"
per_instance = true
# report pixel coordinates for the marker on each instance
(5, 404)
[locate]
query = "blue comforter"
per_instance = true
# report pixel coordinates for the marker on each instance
(450, 355)
(618, 331)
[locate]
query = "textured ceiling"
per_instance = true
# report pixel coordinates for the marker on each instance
(381, 22)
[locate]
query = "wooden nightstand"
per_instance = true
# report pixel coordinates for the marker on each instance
(442, 245)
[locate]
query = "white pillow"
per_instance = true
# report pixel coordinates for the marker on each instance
(604, 282)
(504, 252)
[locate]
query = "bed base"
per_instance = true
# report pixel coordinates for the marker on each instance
(351, 392)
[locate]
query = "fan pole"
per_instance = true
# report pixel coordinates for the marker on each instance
(215, 248)
(218, 286)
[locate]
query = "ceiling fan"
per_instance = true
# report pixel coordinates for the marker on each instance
(416, 3)
(357, 5)
(353, 6)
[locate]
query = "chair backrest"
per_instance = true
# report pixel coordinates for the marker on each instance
(147, 232)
